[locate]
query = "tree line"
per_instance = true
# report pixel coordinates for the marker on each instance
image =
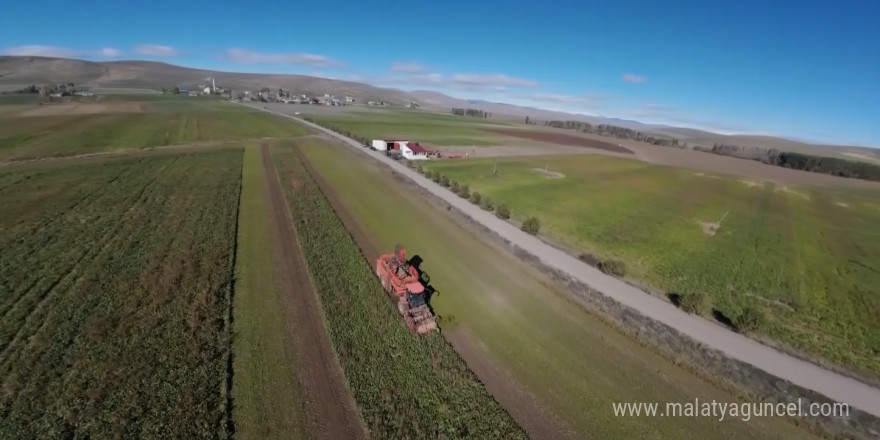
(799, 161)
(614, 131)
(65, 89)
(472, 112)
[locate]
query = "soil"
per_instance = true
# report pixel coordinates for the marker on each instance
(331, 412)
(561, 138)
(521, 405)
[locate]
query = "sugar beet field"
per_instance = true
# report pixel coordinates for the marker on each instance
(115, 296)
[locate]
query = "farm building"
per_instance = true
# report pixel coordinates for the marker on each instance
(408, 149)
(413, 151)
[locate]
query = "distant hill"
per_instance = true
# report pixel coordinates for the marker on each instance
(17, 72)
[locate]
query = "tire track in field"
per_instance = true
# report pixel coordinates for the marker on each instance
(70, 276)
(330, 409)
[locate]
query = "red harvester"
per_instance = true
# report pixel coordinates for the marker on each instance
(401, 280)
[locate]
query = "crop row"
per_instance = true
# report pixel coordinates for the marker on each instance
(406, 386)
(119, 293)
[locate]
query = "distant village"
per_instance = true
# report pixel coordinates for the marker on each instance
(265, 94)
(281, 95)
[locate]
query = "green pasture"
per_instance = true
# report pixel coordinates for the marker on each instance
(808, 258)
(575, 365)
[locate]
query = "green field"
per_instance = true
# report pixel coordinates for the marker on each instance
(407, 386)
(114, 298)
(808, 258)
(572, 363)
(130, 122)
(426, 128)
(267, 403)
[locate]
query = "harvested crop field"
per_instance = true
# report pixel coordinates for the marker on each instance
(560, 138)
(115, 298)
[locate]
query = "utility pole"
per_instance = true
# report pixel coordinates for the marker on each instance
(495, 170)
(722, 218)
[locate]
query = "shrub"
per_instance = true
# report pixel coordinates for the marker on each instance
(464, 191)
(613, 267)
(531, 226)
(750, 319)
(475, 198)
(454, 186)
(444, 181)
(409, 163)
(420, 169)
(429, 174)
(502, 211)
(590, 259)
(487, 204)
(437, 177)
(694, 302)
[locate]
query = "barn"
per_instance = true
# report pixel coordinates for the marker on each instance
(408, 149)
(413, 151)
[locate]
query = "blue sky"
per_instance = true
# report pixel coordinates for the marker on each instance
(803, 69)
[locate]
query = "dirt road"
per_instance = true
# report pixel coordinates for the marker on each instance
(806, 374)
(330, 410)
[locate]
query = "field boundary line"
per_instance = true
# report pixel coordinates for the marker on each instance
(738, 359)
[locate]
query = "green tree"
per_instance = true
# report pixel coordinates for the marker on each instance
(176, 90)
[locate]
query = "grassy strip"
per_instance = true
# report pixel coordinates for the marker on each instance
(265, 389)
(406, 386)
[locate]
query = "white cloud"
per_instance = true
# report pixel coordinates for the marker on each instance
(632, 78)
(565, 99)
(37, 50)
(408, 68)
(496, 79)
(110, 52)
(156, 50)
(242, 56)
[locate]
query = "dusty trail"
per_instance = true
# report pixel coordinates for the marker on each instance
(330, 410)
(806, 374)
(520, 404)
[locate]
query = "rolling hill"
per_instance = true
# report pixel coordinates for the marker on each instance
(21, 71)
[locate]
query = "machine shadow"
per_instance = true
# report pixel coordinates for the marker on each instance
(416, 262)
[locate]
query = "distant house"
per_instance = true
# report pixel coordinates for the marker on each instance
(349, 99)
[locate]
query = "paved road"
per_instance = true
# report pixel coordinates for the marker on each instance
(805, 374)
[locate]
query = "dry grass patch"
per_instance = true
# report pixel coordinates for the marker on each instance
(548, 174)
